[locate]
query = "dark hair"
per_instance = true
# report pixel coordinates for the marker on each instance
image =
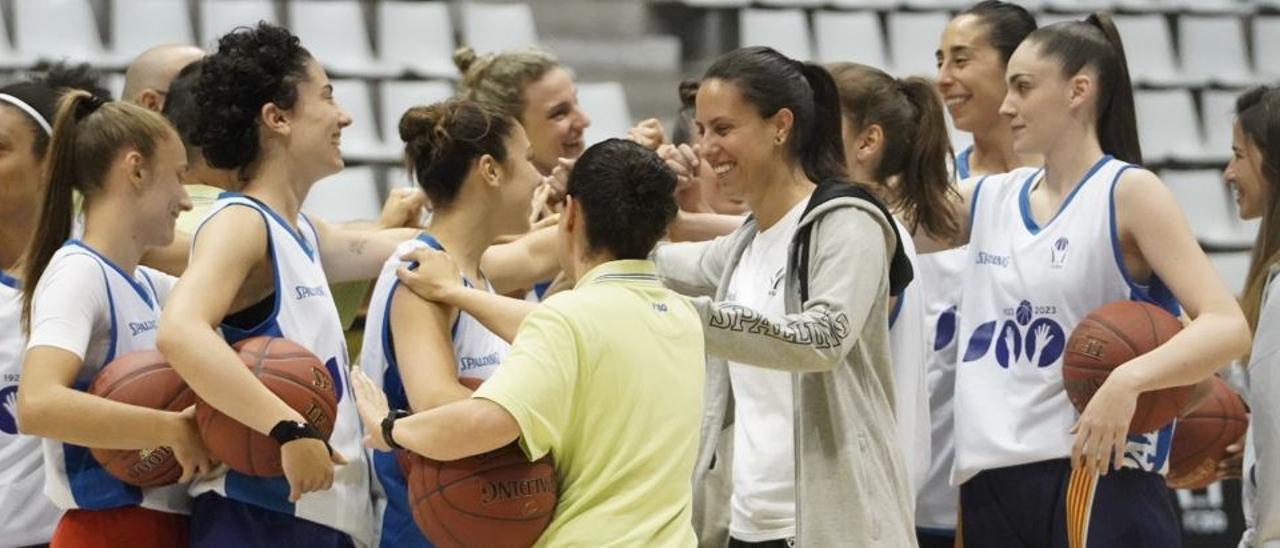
(916, 143)
(442, 142)
(625, 192)
(771, 81)
(252, 67)
(1258, 112)
(1008, 24)
(683, 132)
(42, 89)
(88, 134)
(1095, 43)
(180, 105)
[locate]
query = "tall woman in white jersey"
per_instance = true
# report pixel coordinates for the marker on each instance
(1046, 247)
(1254, 177)
(260, 267)
(474, 165)
(87, 302)
(895, 137)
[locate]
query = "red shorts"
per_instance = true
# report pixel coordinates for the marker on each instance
(132, 526)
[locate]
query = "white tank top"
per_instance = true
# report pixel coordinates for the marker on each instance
(73, 479)
(305, 314)
(907, 342)
(29, 517)
(1027, 288)
(477, 350)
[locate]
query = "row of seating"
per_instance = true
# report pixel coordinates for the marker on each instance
(1137, 6)
(1211, 49)
(410, 37)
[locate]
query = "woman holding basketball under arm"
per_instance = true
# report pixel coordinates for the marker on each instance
(1046, 247)
(87, 302)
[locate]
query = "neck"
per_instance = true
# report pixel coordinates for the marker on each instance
(1064, 166)
(780, 192)
(583, 263)
(465, 235)
(993, 151)
(273, 184)
(16, 228)
(109, 230)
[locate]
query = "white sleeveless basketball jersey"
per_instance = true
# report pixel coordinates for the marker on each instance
(29, 516)
(1027, 288)
(907, 348)
(941, 276)
(305, 314)
(73, 479)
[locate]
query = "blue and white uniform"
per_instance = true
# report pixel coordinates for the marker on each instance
(87, 305)
(907, 341)
(29, 516)
(304, 312)
(962, 163)
(477, 352)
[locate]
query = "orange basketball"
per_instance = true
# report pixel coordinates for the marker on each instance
(1201, 438)
(1110, 336)
(293, 374)
(145, 379)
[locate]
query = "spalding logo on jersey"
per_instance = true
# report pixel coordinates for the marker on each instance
(9, 409)
(1022, 337)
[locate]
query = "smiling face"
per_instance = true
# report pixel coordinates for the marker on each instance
(970, 74)
(553, 120)
(160, 198)
(1244, 175)
(315, 125)
(519, 180)
(737, 142)
(1040, 101)
(20, 171)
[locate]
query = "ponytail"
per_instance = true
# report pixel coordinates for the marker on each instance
(87, 135)
(822, 152)
(1095, 43)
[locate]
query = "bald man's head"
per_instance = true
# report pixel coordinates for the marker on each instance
(147, 80)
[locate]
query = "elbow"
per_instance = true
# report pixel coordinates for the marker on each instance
(1242, 340)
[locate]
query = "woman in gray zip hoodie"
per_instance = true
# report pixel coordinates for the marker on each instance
(795, 305)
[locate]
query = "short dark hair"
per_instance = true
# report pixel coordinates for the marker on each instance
(252, 67)
(625, 192)
(180, 105)
(42, 88)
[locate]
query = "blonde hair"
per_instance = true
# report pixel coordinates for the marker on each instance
(498, 79)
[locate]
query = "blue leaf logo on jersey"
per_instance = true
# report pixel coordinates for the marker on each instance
(332, 366)
(980, 341)
(946, 330)
(9, 409)
(1022, 339)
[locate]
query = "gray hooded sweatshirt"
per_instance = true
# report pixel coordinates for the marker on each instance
(851, 485)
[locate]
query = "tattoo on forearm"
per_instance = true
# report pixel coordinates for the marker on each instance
(821, 332)
(356, 247)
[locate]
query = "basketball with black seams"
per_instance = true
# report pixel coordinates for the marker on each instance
(144, 379)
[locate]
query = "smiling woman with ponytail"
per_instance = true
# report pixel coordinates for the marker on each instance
(800, 346)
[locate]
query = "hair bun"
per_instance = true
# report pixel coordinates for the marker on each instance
(464, 58)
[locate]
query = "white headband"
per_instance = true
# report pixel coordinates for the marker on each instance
(32, 112)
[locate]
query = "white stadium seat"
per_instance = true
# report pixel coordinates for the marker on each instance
(498, 27)
(137, 25)
(1266, 45)
(218, 17)
(360, 140)
(417, 37)
(849, 36)
(1233, 267)
(606, 104)
(1167, 125)
(399, 96)
(1217, 109)
(784, 30)
(334, 32)
(1149, 49)
(913, 41)
(1207, 203)
(349, 195)
(57, 30)
(1213, 50)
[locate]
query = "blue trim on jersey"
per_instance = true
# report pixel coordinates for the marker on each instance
(1155, 292)
(137, 287)
(973, 203)
(897, 307)
(9, 281)
(1024, 199)
(398, 528)
(114, 330)
(270, 493)
(261, 207)
(269, 326)
(962, 163)
(91, 486)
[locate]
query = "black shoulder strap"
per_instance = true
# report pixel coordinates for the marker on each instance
(900, 271)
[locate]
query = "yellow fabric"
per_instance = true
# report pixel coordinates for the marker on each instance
(608, 379)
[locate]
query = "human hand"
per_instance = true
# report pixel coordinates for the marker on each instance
(684, 160)
(403, 208)
(648, 134)
(188, 448)
(434, 278)
(1103, 428)
(372, 405)
(308, 466)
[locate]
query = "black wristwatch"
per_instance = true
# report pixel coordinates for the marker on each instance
(286, 431)
(388, 422)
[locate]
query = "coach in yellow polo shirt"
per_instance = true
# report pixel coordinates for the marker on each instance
(607, 378)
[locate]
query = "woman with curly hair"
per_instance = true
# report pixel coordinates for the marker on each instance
(269, 115)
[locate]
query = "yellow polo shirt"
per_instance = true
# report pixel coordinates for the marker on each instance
(608, 378)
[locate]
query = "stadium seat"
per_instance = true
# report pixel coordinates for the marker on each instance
(784, 30)
(1074, 6)
(913, 41)
(1216, 6)
(349, 195)
(718, 3)
(497, 27)
(1266, 45)
(792, 3)
(10, 57)
(360, 140)
(57, 29)
(606, 104)
(1167, 125)
(1206, 202)
(882, 5)
(114, 82)
(334, 32)
(137, 25)
(1233, 268)
(218, 17)
(925, 5)
(399, 96)
(1213, 50)
(849, 36)
(1218, 114)
(417, 37)
(1153, 62)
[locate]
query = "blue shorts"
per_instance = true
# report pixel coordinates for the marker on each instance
(217, 521)
(1047, 504)
(397, 526)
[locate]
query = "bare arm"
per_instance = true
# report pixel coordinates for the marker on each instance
(350, 254)
(437, 279)
(424, 353)
(522, 263)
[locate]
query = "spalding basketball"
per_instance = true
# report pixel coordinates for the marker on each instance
(1201, 438)
(1110, 336)
(293, 374)
(144, 379)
